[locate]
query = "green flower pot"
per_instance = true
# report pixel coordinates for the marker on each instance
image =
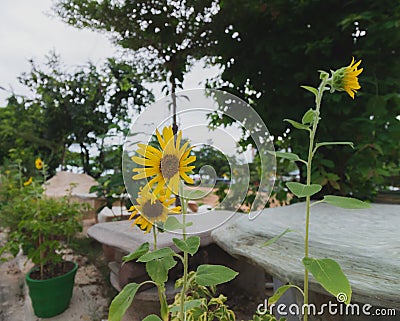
(52, 296)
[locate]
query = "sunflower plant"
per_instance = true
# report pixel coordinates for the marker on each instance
(44, 225)
(166, 167)
(326, 271)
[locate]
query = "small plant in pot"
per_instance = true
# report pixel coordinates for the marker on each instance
(45, 227)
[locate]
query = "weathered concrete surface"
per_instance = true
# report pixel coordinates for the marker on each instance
(366, 243)
(121, 235)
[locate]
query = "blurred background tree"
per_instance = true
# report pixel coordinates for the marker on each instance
(81, 109)
(163, 38)
(267, 49)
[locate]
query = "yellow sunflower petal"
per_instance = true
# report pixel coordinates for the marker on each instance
(188, 160)
(183, 150)
(143, 161)
(160, 139)
(173, 184)
(168, 134)
(187, 178)
(150, 149)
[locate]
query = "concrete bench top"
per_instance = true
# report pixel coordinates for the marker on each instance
(366, 243)
(127, 238)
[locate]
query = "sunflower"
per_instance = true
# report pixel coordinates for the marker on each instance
(29, 181)
(151, 209)
(38, 163)
(167, 165)
(346, 78)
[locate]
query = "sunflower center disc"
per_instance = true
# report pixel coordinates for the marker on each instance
(153, 210)
(169, 166)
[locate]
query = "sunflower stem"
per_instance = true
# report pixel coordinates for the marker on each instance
(154, 238)
(184, 203)
(318, 100)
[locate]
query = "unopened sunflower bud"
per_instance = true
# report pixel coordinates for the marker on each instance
(346, 78)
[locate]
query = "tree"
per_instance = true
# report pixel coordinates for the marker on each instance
(269, 48)
(163, 37)
(80, 108)
(214, 158)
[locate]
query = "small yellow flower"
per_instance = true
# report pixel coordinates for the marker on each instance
(346, 78)
(29, 181)
(38, 163)
(167, 165)
(151, 209)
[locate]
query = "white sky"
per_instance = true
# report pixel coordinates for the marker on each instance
(28, 29)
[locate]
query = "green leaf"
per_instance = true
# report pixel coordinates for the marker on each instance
(276, 238)
(152, 317)
(318, 145)
(194, 194)
(345, 202)
(122, 302)
(156, 255)
(301, 190)
(209, 275)
(289, 156)
(278, 293)
(297, 125)
(141, 250)
(158, 268)
(172, 224)
(329, 274)
(308, 117)
(311, 89)
(188, 305)
(191, 245)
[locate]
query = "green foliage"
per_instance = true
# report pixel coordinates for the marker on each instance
(163, 37)
(276, 238)
(329, 274)
(212, 157)
(190, 245)
(210, 275)
(172, 224)
(152, 317)
(79, 108)
(278, 293)
(42, 226)
(295, 42)
(289, 156)
(122, 302)
(345, 202)
(141, 250)
(157, 254)
(158, 269)
(201, 303)
(301, 190)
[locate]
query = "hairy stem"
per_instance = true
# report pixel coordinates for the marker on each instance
(154, 238)
(318, 100)
(184, 203)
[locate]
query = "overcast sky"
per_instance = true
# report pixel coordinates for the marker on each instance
(28, 29)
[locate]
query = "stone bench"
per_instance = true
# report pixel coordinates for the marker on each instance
(366, 243)
(120, 238)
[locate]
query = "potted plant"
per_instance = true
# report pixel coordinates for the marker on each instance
(44, 229)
